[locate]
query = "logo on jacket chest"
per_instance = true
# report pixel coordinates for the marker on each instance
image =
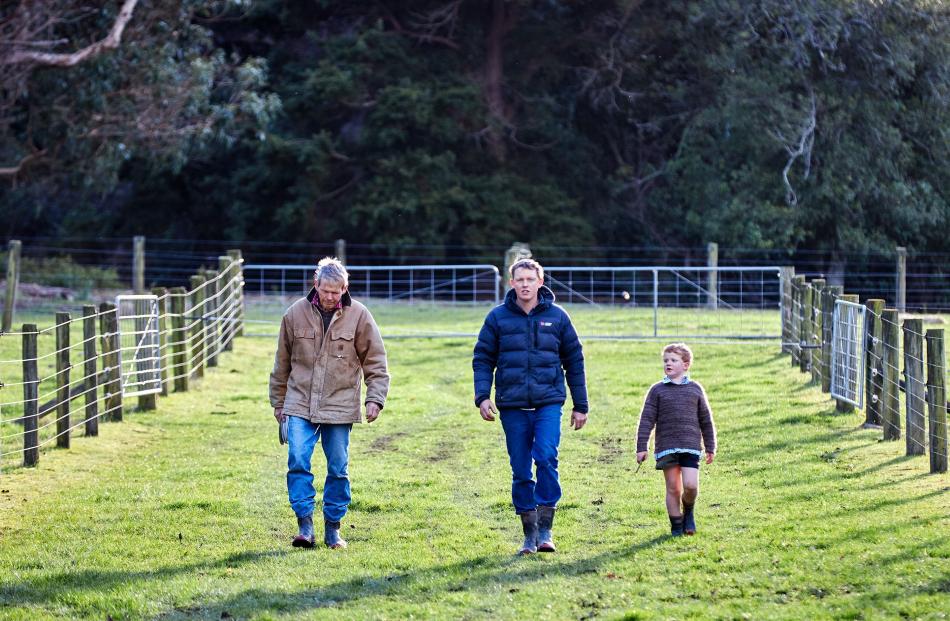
(545, 324)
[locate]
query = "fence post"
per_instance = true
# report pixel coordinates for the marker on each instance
(198, 313)
(915, 385)
(786, 274)
(818, 288)
(339, 249)
(901, 278)
(798, 285)
(179, 339)
(937, 399)
(213, 306)
(162, 295)
(712, 260)
(143, 311)
(90, 370)
(874, 364)
(13, 281)
(226, 305)
(843, 406)
(138, 264)
(828, 297)
(62, 380)
(235, 255)
(804, 356)
(891, 393)
(31, 403)
(109, 335)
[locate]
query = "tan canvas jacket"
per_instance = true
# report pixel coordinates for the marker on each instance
(317, 376)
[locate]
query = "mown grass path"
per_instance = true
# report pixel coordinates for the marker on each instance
(182, 513)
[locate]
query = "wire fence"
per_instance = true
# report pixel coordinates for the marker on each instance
(890, 362)
(61, 380)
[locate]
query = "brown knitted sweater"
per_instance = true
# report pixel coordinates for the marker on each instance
(681, 415)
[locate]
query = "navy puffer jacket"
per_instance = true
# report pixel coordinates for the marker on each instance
(529, 355)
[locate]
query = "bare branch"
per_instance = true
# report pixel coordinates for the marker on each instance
(13, 171)
(110, 42)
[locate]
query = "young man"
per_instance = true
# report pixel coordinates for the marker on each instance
(529, 346)
(327, 340)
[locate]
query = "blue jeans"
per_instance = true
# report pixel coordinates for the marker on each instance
(533, 435)
(302, 437)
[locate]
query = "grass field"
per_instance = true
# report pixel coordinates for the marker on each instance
(182, 513)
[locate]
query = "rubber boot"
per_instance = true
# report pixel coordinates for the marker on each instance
(545, 526)
(305, 538)
(676, 526)
(689, 522)
(529, 524)
(331, 535)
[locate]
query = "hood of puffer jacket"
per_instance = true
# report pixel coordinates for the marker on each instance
(545, 300)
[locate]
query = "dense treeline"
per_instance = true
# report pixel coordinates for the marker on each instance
(773, 124)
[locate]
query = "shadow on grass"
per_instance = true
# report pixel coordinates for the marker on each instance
(510, 572)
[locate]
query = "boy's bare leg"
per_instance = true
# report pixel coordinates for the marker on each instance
(690, 485)
(674, 490)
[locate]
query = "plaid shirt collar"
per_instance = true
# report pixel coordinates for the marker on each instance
(667, 380)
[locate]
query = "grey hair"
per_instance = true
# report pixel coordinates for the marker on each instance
(331, 269)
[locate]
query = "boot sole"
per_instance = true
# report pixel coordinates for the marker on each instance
(302, 543)
(547, 549)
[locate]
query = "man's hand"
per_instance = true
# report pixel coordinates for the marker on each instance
(372, 411)
(641, 456)
(279, 414)
(578, 420)
(488, 410)
(709, 457)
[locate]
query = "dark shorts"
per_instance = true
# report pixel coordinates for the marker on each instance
(683, 460)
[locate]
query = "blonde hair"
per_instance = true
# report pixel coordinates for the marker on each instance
(526, 264)
(331, 269)
(680, 349)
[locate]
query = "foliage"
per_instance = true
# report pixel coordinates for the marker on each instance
(63, 271)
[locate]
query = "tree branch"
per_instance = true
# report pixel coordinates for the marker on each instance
(13, 171)
(110, 42)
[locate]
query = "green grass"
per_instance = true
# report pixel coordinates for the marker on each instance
(182, 513)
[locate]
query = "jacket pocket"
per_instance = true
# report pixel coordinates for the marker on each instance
(342, 383)
(304, 349)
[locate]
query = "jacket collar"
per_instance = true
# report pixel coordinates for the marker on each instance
(545, 300)
(345, 300)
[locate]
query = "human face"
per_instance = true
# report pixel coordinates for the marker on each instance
(526, 283)
(330, 293)
(674, 366)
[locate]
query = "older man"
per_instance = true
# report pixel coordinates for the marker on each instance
(530, 346)
(327, 342)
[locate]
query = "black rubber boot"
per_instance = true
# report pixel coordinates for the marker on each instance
(305, 538)
(529, 524)
(676, 526)
(545, 527)
(689, 522)
(331, 535)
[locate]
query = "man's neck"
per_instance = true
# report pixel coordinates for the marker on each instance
(527, 307)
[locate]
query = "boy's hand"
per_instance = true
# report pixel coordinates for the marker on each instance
(487, 409)
(709, 457)
(641, 456)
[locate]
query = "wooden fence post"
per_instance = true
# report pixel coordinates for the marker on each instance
(198, 314)
(804, 356)
(915, 385)
(90, 370)
(213, 304)
(843, 406)
(31, 403)
(235, 255)
(818, 288)
(162, 294)
(901, 278)
(874, 364)
(62, 380)
(226, 305)
(785, 275)
(798, 287)
(109, 335)
(179, 339)
(143, 310)
(828, 297)
(712, 261)
(891, 393)
(138, 264)
(937, 400)
(13, 281)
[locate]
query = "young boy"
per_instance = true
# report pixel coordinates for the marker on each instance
(678, 408)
